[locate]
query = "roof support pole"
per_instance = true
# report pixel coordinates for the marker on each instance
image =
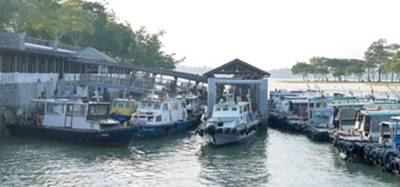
(15, 63)
(36, 64)
(1, 62)
(46, 65)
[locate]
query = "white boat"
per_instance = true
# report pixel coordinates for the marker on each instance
(157, 116)
(73, 121)
(230, 122)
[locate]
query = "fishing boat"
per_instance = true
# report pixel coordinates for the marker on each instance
(123, 108)
(320, 119)
(383, 153)
(72, 121)
(159, 116)
(366, 126)
(230, 122)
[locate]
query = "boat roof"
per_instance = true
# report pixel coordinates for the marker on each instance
(299, 101)
(230, 104)
(124, 100)
(396, 118)
(391, 124)
(67, 101)
(283, 94)
(381, 112)
(357, 104)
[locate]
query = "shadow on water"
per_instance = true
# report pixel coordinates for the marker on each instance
(242, 164)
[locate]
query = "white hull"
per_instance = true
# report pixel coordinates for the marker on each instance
(223, 139)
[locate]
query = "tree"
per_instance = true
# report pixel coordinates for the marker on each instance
(376, 56)
(355, 68)
(319, 68)
(301, 68)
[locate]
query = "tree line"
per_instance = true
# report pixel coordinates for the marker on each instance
(85, 23)
(381, 63)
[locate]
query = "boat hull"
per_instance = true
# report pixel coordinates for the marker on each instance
(219, 138)
(109, 137)
(148, 130)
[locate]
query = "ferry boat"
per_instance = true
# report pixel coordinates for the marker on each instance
(157, 116)
(230, 122)
(123, 108)
(73, 121)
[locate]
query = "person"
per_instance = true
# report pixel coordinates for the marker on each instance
(335, 117)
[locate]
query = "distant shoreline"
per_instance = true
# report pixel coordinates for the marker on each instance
(337, 82)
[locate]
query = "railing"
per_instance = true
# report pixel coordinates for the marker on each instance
(10, 78)
(113, 80)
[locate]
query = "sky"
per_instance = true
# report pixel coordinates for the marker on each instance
(268, 34)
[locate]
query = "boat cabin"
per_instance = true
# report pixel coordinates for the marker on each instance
(230, 114)
(368, 122)
(390, 133)
(122, 109)
(159, 111)
(64, 113)
(319, 112)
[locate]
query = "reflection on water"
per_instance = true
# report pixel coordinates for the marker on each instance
(236, 164)
(273, 158)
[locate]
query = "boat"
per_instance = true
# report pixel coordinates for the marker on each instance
(366, 126)
(72, 121)
(122, 109)
(160, 116)
(383, 153)
(320, 119)
(230, 122)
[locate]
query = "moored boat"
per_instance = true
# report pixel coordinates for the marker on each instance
(157, 116)
(123, 108)
(72, 121)
(231, 122)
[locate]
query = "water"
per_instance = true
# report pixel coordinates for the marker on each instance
(270, 158)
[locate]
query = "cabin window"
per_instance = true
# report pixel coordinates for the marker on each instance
(55, 108)
(98, 110)
(165, 107)
(157, 107)
(234, 109)
(175, 106)
(225, 109)
(218, 109)
(245, 108)
(77, 110)
(158, 118)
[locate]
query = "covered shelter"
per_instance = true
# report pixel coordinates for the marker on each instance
(245, 81)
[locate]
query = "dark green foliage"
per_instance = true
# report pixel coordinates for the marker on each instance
(84, 23)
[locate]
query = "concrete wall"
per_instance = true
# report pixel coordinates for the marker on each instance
(15, 95)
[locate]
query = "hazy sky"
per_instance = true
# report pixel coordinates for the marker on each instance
(266, 33)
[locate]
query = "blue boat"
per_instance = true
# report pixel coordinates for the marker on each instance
(72, 121)
(160, 116)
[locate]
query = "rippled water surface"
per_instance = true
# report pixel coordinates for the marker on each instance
(270, 158)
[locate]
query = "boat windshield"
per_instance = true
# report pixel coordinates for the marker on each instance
(150, 106)
(120, 104)
(98, 111)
